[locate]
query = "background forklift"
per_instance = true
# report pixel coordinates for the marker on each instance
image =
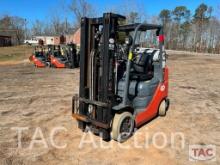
(72, 56)
(122, 85)
(39, 57)
(57, 59)
(64, 56)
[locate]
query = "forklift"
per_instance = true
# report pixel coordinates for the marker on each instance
(57, 58)
(72, 56)
(64, 56)
(39, 57)
(122, 84)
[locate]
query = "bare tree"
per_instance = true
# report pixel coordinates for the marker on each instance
(56, 24)
(133, 10)
(5, 22)
(13, 24)
(19, 24)
(37, 28)
(81, 8)
(133, 17)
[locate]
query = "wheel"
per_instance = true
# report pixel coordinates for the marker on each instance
(122, 126)
(47, 64)
(82, 125)
(167, 104)
(105, 135)
(162, 108)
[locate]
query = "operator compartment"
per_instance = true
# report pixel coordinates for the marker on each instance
(145, 69)
(143, 78)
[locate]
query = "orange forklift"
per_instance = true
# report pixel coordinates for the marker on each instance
(39, 57)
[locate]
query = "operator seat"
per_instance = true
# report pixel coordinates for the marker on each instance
(142, 67)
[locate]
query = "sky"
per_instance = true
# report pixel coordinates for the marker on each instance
(44, 9)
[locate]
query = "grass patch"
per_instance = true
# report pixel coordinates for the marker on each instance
(15, 53)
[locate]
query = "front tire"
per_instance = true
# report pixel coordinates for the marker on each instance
(122, 126)
(82, 126)
(47, 64)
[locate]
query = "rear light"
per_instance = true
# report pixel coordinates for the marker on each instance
(161, 38)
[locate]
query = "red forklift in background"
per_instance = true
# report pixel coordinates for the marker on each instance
(60, 56)
(57, 58)
(64, 56)
(122, 85)
(39, 57)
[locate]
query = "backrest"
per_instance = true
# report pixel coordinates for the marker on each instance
(143, 62)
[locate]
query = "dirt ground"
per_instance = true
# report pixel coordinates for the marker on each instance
(39, 100)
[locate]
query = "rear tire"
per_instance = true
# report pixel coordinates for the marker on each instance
(122, 126)
(162, 108)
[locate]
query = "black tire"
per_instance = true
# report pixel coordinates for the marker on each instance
(105, 134)
(48, 64)
(82, 125)
(167, 104)
(122, 126)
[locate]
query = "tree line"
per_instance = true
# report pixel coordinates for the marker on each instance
(197, 30)
(55, 24)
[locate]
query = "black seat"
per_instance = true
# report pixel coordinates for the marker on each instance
(142, 67)
(40, 56)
